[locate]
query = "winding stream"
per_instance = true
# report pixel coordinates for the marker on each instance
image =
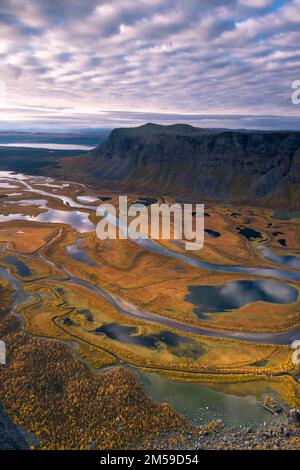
(80, 221)
(130, 310)
(197, 402)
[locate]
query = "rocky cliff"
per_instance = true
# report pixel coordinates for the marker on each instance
(239, 166)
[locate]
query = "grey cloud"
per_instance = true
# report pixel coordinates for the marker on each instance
(160, 57)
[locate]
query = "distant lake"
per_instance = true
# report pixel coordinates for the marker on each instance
(42, 145)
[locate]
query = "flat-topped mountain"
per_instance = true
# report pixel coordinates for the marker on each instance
(198, 164)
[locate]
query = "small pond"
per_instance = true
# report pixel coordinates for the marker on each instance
(249, 233)
(22, 269)
(201, 404)
(233, 295)
(80, 254)
(178, 345)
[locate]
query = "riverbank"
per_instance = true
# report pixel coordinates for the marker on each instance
(84, 304)
(217, 436)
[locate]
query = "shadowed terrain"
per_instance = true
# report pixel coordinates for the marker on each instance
(10, 437)
(189, 162)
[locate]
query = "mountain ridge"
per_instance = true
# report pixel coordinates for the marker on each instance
(197, 163)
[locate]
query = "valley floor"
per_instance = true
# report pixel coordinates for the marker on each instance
(85, 311)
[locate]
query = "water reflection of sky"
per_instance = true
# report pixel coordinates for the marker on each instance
(80, 222)
(88, 199)
(49, 146)
(76, 219)
(22, 268)
(233, 295)
(292, 261)
(80, 254)
(30, 202)
(4, 185)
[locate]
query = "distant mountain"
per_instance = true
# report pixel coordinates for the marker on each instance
(197, 164)
(79, 137)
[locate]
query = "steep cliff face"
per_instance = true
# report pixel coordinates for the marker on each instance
(198, 163)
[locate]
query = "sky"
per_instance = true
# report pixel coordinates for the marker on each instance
(97, 63)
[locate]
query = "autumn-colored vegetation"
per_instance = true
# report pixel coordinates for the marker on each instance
(161, 286)
(64, 405)
(53, 385)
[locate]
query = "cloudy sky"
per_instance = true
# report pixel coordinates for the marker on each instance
(98, 63)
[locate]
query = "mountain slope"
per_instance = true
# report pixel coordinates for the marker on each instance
(198, 164)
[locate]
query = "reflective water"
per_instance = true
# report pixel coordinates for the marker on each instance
(50, 146)
(233, 295)
(86, 225)
(249, 233)
(292, 261)
(7, 186)
(80, 254)
(78, 220)
(196, 402)
(212, 233)
(55, 186)
(22, 269)
(201, 404)
(164, 251)
(30, 202)
(20, 297)
(177, 345)
(132, 311)
(286, 215)
(88, 199)
(277, 273)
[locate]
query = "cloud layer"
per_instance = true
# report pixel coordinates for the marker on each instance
(120, 62)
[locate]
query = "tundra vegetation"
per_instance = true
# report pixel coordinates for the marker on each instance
(66, 380)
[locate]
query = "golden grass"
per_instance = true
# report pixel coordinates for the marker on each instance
(24, 239)
(87, 312)
(160, 285)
